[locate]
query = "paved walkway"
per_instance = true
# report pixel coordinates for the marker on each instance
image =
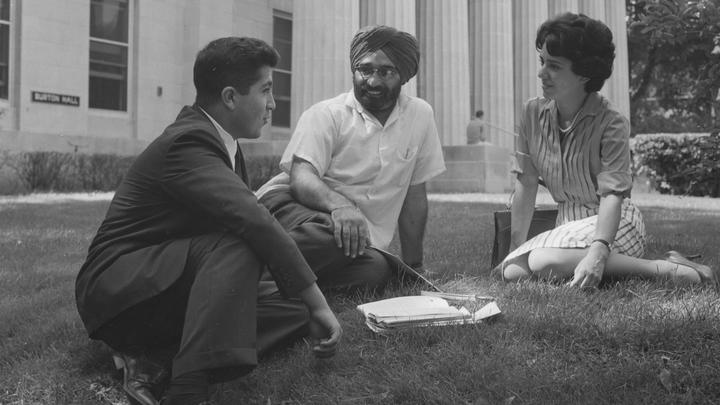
(48, 198)
(641, 199)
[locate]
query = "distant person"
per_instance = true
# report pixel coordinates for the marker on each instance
(476, 128)
(578, 143)
(356, 167)
(175, 264)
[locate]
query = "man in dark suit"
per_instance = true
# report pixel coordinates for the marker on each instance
(176, 262)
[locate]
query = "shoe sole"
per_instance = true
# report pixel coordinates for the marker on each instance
(120, 365)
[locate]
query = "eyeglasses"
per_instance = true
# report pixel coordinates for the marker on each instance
(384, 72)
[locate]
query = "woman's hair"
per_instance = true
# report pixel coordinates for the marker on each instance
(232, 61)
(586, 42)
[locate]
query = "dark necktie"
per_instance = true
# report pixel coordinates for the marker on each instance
(240, 166)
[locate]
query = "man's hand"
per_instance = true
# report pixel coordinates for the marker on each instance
(350, 226)
(591, 268)
(325, 332)
(351, 231)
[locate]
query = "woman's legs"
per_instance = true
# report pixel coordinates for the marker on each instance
(560, 263)
(515, 269)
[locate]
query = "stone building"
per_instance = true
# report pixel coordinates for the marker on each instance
(106, 76)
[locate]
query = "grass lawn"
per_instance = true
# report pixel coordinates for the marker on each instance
(627, 343)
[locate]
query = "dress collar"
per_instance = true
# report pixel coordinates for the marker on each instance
(590, 108)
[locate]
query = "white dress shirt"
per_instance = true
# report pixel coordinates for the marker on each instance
(230, 142)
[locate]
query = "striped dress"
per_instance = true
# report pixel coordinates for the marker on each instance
(589, 159)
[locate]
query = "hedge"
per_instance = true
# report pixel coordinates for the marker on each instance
(41, 171)
(681, 165)
(675, 165)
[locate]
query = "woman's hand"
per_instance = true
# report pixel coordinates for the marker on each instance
(589, 271)
(591, 268)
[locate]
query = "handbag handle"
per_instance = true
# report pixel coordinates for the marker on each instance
(541, 182)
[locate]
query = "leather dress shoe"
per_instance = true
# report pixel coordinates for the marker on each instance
(142, 378)
(707, 275)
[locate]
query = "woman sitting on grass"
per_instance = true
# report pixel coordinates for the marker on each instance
(578, 143)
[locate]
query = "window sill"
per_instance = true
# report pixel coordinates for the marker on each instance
(99, 112)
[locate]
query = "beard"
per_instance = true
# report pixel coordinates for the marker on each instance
(378, 98)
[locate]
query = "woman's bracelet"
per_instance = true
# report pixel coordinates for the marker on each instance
(604, 242)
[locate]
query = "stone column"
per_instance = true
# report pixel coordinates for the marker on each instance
(491, 67)
(444, 77)
(556, 7)
(322, 31)
(594, 8)
(527, 17)
(396, 13)
(617, 87)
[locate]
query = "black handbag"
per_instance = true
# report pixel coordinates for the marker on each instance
(543, 220)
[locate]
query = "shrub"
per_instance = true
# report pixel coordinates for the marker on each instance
(40, 171)
(73, 172)
(9, 182)
(100, 172)
(261, 168)
(43, 171)
(682, 165)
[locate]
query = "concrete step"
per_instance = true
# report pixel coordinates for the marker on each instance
(474, 168)
(481, 168)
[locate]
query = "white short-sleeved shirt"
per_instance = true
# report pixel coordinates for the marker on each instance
(371, 164)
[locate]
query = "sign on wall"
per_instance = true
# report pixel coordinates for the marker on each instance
(53, 98)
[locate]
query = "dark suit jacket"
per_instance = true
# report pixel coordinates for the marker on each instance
(181, 186)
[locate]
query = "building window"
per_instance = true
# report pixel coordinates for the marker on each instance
(282, 74)
(4, 47)
(108, 85)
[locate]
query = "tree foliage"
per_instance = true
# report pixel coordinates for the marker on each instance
(674, 74)
(681, 165)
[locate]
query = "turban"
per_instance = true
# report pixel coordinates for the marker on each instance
(400, 47)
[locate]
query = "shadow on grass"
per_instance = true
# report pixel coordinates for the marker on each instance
(630, 342)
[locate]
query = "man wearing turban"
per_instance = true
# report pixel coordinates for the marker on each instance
(355, 168)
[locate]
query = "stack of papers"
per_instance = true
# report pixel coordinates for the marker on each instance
(427, 309)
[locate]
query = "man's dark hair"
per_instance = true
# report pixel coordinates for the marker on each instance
(586, 42)
(232, 61)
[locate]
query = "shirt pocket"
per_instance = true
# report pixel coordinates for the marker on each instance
(404, 165)
(407, 154)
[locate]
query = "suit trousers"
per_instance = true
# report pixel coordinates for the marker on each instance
(216, 317)
(312, 231)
